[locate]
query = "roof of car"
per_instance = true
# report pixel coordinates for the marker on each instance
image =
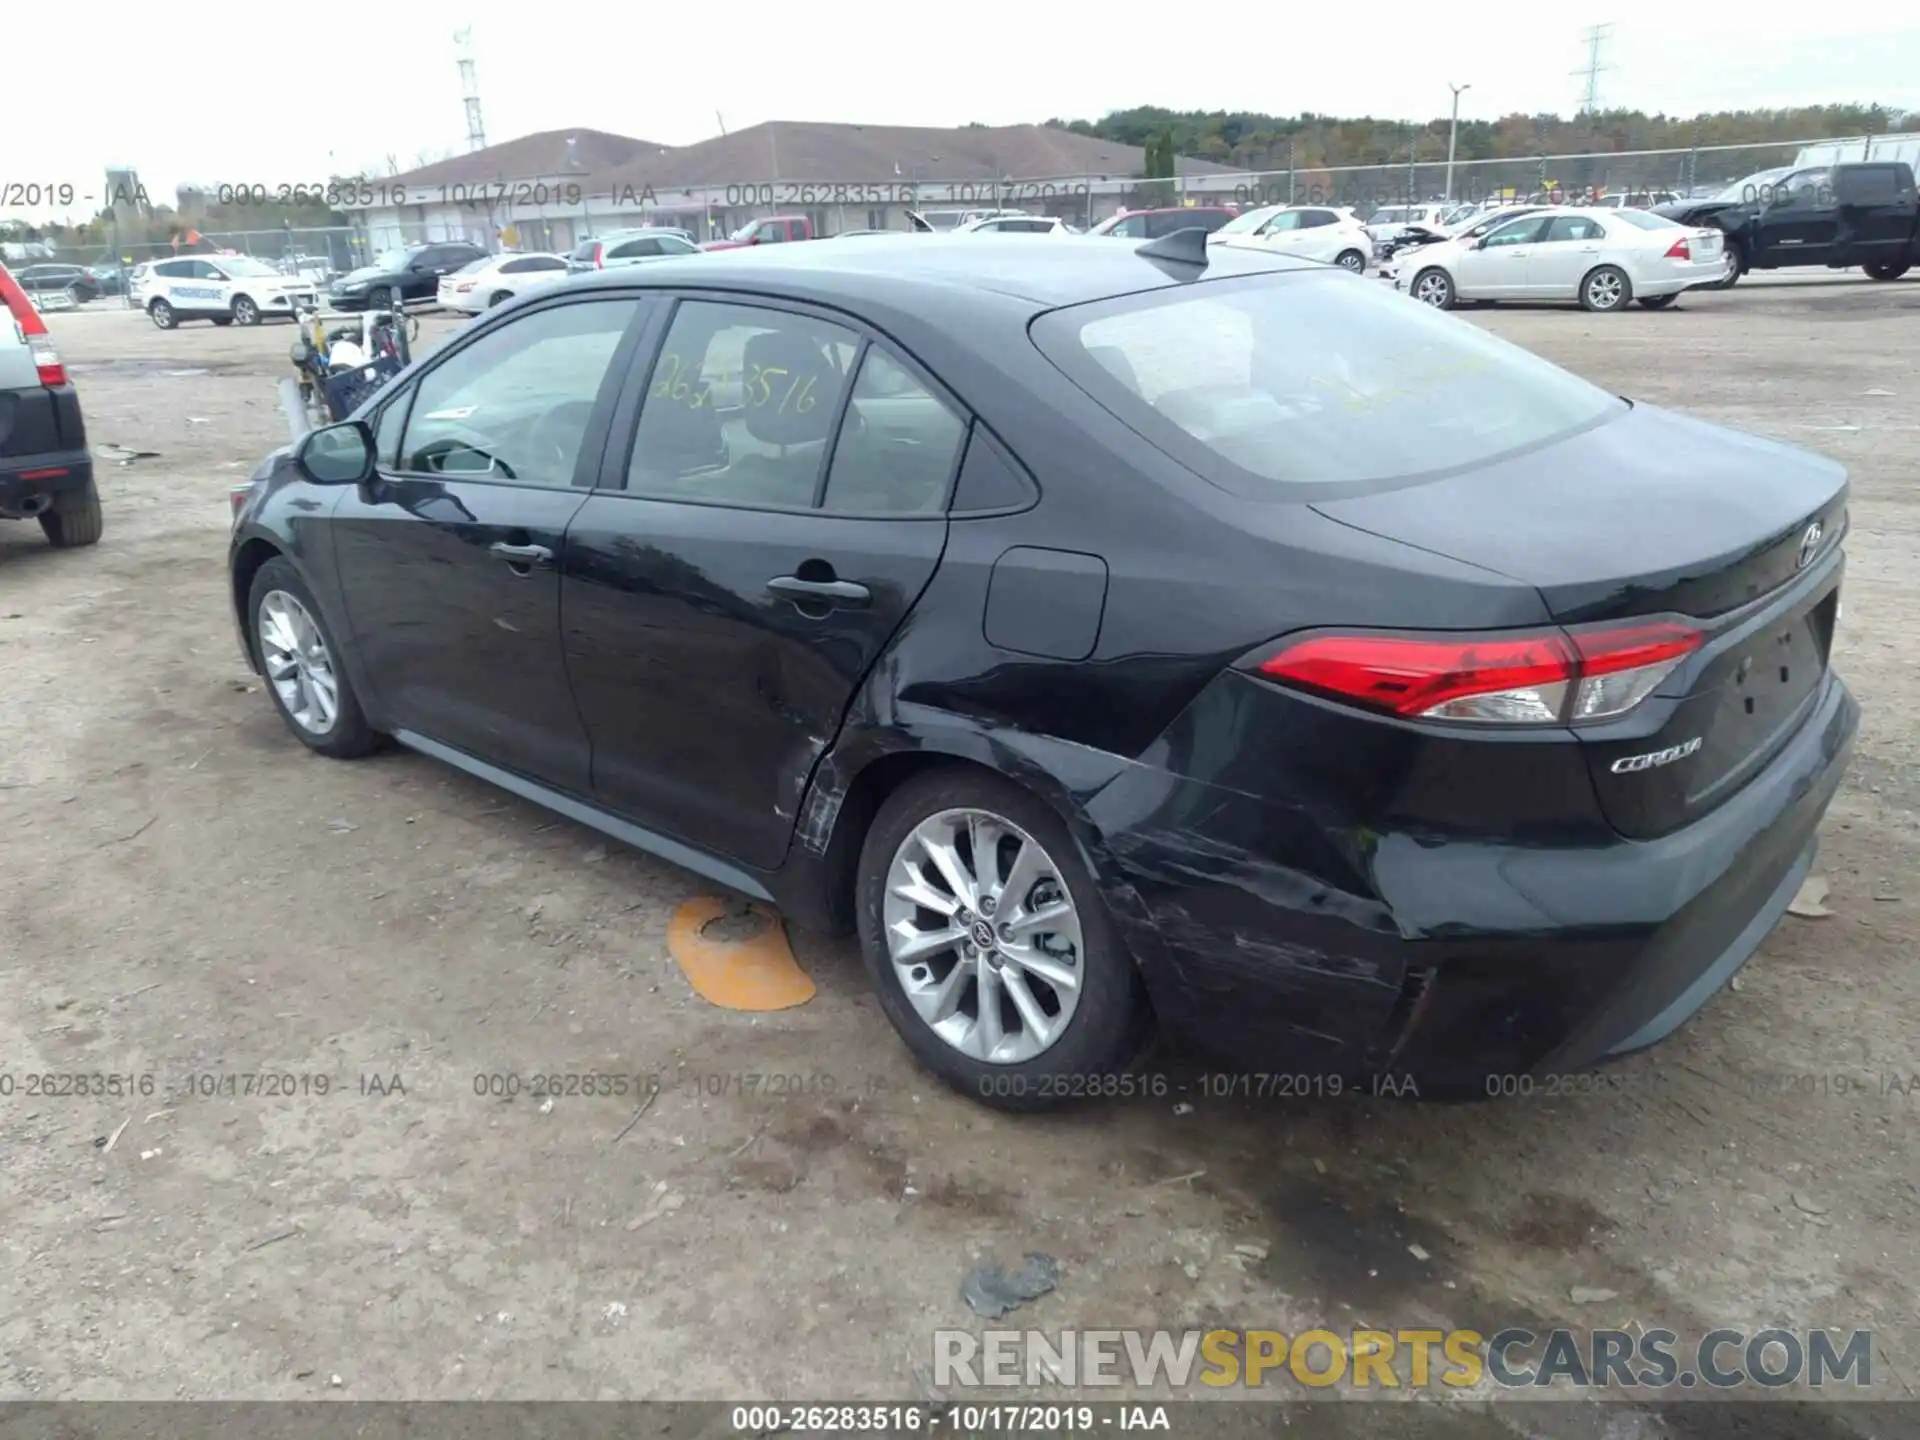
(1077, 270)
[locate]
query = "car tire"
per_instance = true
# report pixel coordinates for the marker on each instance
(383, 300)
(1887, 270)
(162, 315)
(1433, 286)
(245, 312)
(75, 519)
(499, 297)
(280, 612)
(1353, 260)
(1103, 1022)
(1657, 302)
(1605, 289)
(1736, 267)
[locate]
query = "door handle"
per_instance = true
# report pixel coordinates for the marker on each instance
(521, 556)
(833, 592)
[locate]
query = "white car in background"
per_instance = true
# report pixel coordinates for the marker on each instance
(1604, 259)
(226, 289)
(1015, 225)
(1312, 232)
(494, 279)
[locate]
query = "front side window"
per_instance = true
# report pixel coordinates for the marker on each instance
(515, 404)
(1265, 382)
(741, 406)
(1253, 222)
(1517, 233)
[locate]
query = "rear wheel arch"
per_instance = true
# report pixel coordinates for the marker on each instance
(884, 774)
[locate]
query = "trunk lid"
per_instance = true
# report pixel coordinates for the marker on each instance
(1655, 513)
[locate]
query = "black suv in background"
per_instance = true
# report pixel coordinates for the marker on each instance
(394, 276)
(1865, 213)
(45, 470)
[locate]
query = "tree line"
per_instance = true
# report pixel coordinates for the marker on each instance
(1251, 140)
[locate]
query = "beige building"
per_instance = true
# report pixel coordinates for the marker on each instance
(551, 190)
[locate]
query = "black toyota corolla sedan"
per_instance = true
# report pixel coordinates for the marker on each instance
(1108, 634)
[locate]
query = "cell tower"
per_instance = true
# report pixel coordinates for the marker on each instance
(1597, 38)
(470, 88)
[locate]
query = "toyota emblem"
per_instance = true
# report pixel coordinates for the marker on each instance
(1809, 544)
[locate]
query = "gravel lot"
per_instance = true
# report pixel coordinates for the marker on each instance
(189, 892)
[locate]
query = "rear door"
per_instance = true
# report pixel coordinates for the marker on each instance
(1567, 248)
(1878, 210)
(746, 560)
(449, 558)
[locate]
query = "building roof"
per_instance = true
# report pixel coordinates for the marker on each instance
(544, 155)
(806, 151)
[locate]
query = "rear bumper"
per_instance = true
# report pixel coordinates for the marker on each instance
(1676, 278)
(29, 483)
(1457, 963)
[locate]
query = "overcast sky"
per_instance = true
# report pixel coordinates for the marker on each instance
(198, 102)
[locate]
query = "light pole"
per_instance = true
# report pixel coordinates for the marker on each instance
(1453, 134)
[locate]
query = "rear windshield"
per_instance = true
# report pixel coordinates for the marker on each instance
(1312, 378)
(1647, 220)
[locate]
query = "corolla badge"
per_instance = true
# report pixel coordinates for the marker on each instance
(1809, 544)
(1653, 760)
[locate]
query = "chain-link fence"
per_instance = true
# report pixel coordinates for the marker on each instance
(1642, 177)
(334, 249)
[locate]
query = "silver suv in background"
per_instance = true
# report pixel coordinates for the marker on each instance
(628, 247)
(46, 473)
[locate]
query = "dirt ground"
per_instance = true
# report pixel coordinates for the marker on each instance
(190, 893)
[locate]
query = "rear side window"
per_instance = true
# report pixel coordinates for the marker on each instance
(1305, 379)
(898, 447)
(633, 249)
(741, 406)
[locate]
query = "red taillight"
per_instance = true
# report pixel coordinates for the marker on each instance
(598, 251)
(1680, 250)
(237, 497)
(33, 330)
(1551, 678)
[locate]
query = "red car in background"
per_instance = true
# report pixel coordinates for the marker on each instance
(772, 230)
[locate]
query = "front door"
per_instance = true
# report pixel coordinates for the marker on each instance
(1567, 249)
(1496, 268)
(449, 558)
(730, 586)
(1801, 220)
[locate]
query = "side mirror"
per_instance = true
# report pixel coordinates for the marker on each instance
(338, 455)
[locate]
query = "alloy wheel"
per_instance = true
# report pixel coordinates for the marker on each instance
(984, 936)
(297, 663)
(1604, 291)
(1432, 289)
